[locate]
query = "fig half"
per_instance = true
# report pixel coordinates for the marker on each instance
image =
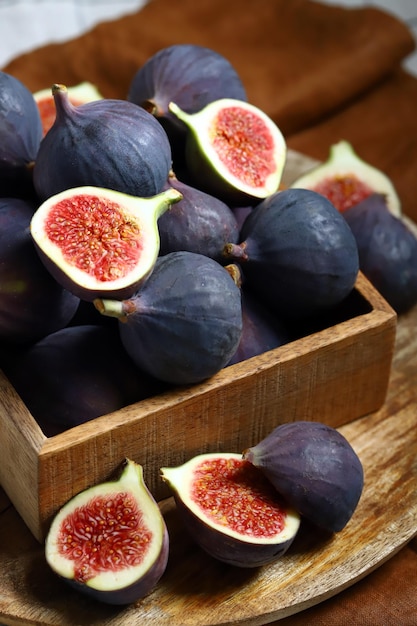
(233, 149)
(231, 510)
(99, 242)
(110, 541)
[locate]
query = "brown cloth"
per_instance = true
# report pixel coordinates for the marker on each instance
(323, 73)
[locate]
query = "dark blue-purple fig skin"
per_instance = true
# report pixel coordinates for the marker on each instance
(185, 323)
(316, 470)
(192, 76)
(261, 330)
(228, 549)
(32, 303)
(20, 134)
(297, 253)
(387, 251)
(75, 375)
(198, 223)
(134, 592)
(106, 143)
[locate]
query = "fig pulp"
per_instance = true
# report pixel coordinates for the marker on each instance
(233, 149)
(231, 510)
(78, 94)
(387, 251)
(346, 179)
(297, 253)
(98, 242)
(20, 137)
(110, 541)
(314, 468)
(106, 143)
(199, 222)
(32, 303)
(184, 323)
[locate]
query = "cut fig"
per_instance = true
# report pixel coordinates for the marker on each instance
(98, 242)
(78, 94)
(231, 510)
(110, 541)
(346, 179)
(234, 150)
(314, 468)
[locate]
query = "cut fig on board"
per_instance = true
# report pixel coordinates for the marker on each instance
(110, 541)
(231, 510)
(233, 149)
(314, 467)
(346, 179)
(98, 242)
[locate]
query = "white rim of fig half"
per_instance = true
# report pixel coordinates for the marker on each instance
(205, 119)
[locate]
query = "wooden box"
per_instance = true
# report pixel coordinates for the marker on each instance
(333, 374)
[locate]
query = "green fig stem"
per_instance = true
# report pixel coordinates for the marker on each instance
(182, 115)
(110, 308)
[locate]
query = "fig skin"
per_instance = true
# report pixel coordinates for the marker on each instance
(20, 138)
(106, 143)
(314, 468)
(124, 585)
(32, 303)
(183, 325)
(199, 223)
(75, 375)
(297, 253)
(219, 540)
(387, 251)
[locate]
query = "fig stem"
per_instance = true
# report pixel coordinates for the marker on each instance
(110, 308)
(235, 251)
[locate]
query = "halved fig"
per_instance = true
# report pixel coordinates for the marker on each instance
(78, 94)
(315, 468)
(110, 541)
(233, 149)
(231, 510)
(98, 242)
(346, 179)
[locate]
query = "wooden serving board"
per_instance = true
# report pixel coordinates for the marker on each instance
(196, 590)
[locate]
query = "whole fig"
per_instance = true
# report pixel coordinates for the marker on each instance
(183, 325)
(105, 143)
(315, 468)
(231, 510)
(387, 250)
(110, 541)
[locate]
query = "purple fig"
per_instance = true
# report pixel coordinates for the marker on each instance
(297, 253)
(20, 137)
(105, 143)
(110, 541)
(32, 303)
(183, 325)
(75, 375)
(314, 468)
(231, 510)
(387, 250)
(198, 223)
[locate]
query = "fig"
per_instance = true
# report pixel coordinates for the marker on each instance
(20, 137)
(76, 374)
(315, 468)
(231, 510)
(387, 250)
(233, 150)
(185, 322)
(297, 253)
(32, 303)
(78, 94)
(110, 541)
(99, 242)
(261, 330)
(199, 222)
(106, 143)
(188, 74)
(346, 179)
